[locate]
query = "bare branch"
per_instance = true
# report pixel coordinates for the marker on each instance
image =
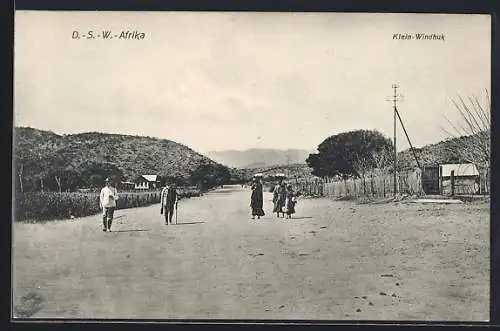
(472, 132)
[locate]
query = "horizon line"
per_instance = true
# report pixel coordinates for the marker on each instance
(313, 149)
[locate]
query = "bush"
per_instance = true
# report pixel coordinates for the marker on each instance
(37, 206)
(46, 206)
(188, 192)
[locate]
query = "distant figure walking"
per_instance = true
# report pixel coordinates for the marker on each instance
(291, 201)
(168, 201)
(257, 199)
(107, 200)
(279, 198)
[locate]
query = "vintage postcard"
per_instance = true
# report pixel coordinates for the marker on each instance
(249, 166)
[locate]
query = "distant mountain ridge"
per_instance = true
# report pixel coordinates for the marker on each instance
(259, 157)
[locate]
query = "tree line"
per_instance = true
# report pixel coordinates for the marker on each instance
(92, 175)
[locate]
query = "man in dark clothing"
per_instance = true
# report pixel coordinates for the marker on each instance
(169, 199)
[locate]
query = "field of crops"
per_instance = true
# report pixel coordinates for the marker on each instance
(46, 206)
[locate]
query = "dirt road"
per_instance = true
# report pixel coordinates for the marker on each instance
(335, 260)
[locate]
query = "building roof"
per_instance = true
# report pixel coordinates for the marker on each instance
(464, 169)
(151, 178)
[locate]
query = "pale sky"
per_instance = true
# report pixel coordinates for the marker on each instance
(216, 81)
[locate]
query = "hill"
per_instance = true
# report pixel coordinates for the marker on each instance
(259, 157)
(39, 152)
(447, 151)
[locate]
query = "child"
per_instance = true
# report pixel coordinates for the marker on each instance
(291, 201)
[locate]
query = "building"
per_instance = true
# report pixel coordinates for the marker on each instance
(147, 182)
(437, 179)
(466, 178)
(127, 186)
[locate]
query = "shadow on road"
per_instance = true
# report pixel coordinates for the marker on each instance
(137, 230)
(298, 218)
(187, 223)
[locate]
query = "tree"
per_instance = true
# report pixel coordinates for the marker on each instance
(362, 165)
(177, 179)
(383, 161)
(472, 133)
(209, 175)
(19, 163)
(65, 179)
(23, 160)
(343, 154)
(94, 174)
(315, 162)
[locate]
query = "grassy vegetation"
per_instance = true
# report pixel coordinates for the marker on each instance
(46, 206)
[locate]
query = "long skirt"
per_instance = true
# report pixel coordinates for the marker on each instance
(279, 204)
(290, 207)
(257, 203)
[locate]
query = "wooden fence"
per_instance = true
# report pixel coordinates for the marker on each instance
(372, 185)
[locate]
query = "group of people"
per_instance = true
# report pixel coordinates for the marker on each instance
(284, 199)
(109, 195)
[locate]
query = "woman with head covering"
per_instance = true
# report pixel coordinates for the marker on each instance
(257, 200)
(291, 201)
(279, 198)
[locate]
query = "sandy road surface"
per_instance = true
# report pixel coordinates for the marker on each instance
(335, 260)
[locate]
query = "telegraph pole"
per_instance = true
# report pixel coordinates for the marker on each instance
(394, 99)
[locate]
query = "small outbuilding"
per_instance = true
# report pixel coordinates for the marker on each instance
(437, 179)
(466, 178)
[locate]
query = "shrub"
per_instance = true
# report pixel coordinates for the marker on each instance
(46, 206)
(38, 206)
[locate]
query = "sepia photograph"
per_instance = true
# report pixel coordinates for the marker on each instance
(251, 166)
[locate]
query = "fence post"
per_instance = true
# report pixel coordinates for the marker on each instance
(383, 183)
(487, 181)
(452, 182)
(364, 185)
(355, 188)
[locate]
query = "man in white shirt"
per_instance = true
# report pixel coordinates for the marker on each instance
(107, 200)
